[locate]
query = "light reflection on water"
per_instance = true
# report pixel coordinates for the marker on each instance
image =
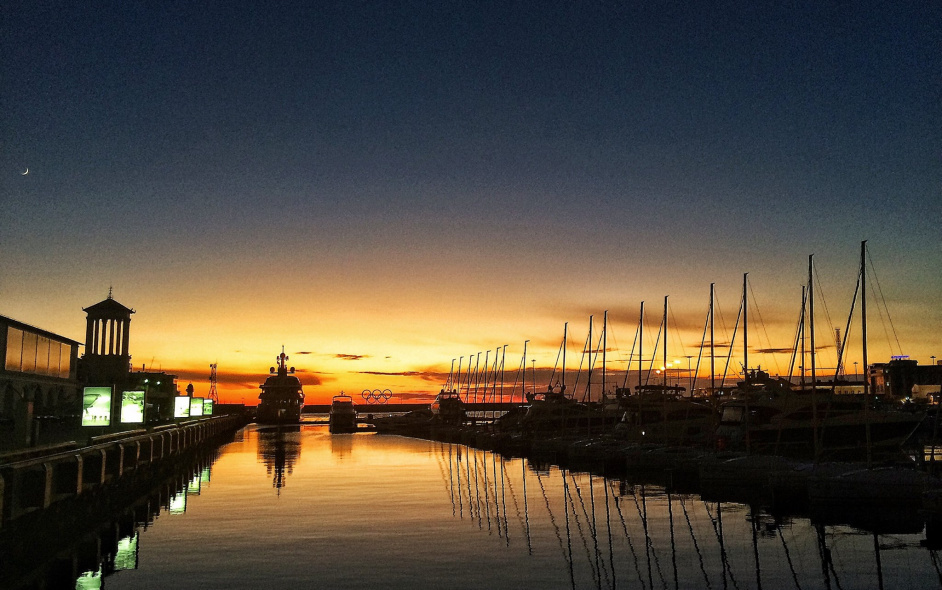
(304, 508)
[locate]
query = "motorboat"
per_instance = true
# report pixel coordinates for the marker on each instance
(448, 407)
(343, 415)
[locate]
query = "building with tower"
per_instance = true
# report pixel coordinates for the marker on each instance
(107, 356)
(107, 363)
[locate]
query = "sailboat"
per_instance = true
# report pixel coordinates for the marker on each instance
(770, 415)
(554, 411)
(660, 413)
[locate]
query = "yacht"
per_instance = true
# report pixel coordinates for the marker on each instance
(282, 397)
(343, 414)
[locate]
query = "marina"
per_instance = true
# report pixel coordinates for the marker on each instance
(561, 295)
(430, 513)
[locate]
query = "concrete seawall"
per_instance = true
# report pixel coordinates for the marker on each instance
(30, 482)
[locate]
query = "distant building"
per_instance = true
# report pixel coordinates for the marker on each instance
(903, 378)
(39, 388)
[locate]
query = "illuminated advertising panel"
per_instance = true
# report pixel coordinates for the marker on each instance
(181, 407)
(196, 406)
(207, 407)
(132, 407)
(96, 406)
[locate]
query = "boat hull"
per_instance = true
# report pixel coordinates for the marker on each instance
(278, 413)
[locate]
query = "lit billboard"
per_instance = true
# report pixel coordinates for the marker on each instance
(96, 406)
(181, 407)
(207, 407)
(196, 406)
(132, 407)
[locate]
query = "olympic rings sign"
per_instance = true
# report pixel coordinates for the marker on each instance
(376, 396)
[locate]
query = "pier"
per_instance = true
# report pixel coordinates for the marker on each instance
(39, 478)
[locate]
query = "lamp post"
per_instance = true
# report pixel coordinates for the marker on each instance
(855, 370)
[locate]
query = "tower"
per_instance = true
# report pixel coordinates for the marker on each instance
(107, 358)
(213, 395)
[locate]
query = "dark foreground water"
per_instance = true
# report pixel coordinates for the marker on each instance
(302, 508)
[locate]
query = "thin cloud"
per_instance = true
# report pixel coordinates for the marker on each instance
(245, 380)
(424, 375)
(351, 357)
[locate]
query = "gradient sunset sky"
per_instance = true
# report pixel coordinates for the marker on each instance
(383, 187)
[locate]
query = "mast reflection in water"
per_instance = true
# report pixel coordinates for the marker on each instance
(366, 510)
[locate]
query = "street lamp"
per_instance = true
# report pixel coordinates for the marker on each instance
(855, 370)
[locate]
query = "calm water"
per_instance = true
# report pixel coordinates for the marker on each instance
(306, 509)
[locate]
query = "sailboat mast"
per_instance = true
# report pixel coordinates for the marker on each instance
(801, 332)
(712, 340)
(665, 344)
(524, 363)
(487, 370)
(477, 376)
(811, 320)
(863, 333)
(814, 399)
(640, 347)
(745, 327)
(565, 334)
(503, 357)
(588, 386)
(604, 347)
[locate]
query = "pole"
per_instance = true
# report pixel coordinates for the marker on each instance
(712, 340)
(745, 331)
(665, 344)
(604, 347)
(863, 333)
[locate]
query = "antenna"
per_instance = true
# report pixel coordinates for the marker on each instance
(212, 384)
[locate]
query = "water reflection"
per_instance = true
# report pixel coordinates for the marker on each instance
(97, 539)
(429, 514)
(279, 448)
(612, 532)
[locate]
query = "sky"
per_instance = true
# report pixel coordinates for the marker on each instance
(384, 187)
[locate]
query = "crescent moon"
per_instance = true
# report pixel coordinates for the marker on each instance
(25, 173)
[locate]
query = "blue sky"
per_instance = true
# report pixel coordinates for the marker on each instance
(217, 160)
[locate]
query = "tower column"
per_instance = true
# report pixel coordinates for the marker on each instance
(89, 332)
(125, 349)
